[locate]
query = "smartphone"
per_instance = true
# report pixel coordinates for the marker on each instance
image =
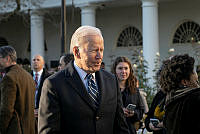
(131, 107)
(155, 122)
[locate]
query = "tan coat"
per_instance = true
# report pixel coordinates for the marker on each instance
(17, 91)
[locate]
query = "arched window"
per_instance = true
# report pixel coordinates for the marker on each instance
(187, 32)
(130, 36)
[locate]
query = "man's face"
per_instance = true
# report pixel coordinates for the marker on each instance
(91, 53)
(38, 63)
(61, 63)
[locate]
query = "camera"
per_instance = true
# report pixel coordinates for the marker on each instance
(131, 107)
(155, 122)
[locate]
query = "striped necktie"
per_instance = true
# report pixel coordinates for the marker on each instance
(92, 89)
(36, 79)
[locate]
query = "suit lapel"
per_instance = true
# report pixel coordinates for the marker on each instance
(101, 86)
(42, 78)
(75, 81)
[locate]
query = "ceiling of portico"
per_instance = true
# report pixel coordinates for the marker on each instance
(122, 3)
(101, 3)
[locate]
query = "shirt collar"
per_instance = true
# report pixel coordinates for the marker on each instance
(81, 72)
(39, 73)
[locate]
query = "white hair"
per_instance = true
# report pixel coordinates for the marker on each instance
(81, 32)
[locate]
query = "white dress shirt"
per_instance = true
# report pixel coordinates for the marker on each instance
(83, 75)
(39, 75)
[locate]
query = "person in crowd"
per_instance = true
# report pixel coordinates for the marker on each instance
(156, 110)
(39, 74)
(102, 65)
(20, 61)
(64, 60)
(180, 81)
(144, 98)
(17, 90)
(26, 62)
(143, 94)
(82, 98)
(27, 65)
(122, 68)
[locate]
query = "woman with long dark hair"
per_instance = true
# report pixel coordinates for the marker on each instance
(132, 101)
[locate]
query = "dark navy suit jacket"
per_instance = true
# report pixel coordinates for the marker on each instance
(66, 108)
(44, 75)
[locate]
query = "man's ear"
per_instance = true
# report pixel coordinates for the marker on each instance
(8, 58)
(76, 52)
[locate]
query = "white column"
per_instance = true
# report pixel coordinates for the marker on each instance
(150, 34)
(37, 34)
(88, 15)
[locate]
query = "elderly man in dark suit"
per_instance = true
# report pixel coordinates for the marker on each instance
(39, 74)
(82, 99)
(17, 90)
